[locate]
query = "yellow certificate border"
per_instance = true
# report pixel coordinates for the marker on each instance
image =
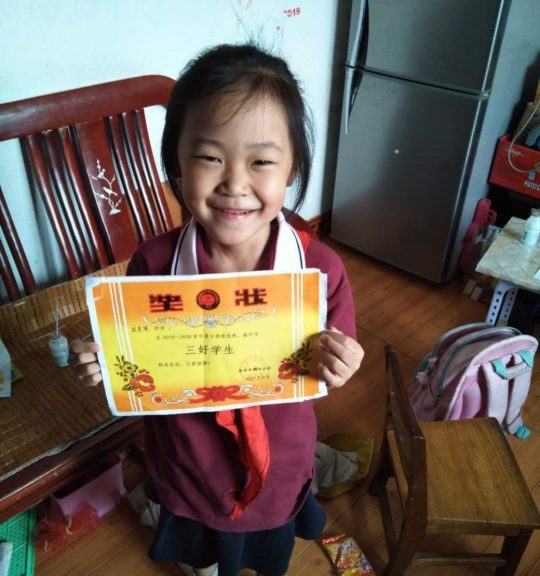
(108, 308)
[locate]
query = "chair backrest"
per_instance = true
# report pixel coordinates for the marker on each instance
(88, 154)
(14, 267)
(409, 445)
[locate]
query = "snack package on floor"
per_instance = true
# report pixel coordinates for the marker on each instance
(346, 555)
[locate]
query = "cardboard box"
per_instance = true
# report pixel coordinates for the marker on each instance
(517, 169)
(528, 126)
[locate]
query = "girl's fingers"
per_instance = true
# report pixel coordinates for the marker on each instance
(341, 352)
(91, 379)
(333, 363)
(83, 346)
(340, 357)
(84, 363)
(334, 329)
(345, 348)
(89, 374)
(88, 369)
(84, 358)
(332, 381)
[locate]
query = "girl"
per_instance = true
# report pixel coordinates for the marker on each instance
(234, 486)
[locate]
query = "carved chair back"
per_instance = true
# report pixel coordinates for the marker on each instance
(88, 154)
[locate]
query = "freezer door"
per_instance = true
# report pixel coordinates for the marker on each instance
(400, 173)
(448, 43)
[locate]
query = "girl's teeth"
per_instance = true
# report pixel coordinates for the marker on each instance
(242, 212)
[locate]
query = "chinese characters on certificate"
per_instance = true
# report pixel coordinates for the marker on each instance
(173, 344)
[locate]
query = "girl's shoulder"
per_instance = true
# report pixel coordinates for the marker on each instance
(154, 256)
(320, 255)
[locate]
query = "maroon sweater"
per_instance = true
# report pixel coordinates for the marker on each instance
(194, 463)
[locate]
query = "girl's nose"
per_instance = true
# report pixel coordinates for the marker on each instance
(235, 182)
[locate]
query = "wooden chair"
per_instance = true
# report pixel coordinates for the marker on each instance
(88, 155)
(56, 435)
(12, 251)
(455, 477)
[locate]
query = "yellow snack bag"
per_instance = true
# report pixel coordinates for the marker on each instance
(346, 555)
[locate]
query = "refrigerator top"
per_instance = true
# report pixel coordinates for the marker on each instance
(449, 44)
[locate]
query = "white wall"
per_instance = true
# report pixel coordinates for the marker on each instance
(53, 45)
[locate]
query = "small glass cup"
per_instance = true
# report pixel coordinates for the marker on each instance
(59, 348)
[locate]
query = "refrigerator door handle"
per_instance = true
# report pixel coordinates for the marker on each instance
(359, 32)
(349, 73)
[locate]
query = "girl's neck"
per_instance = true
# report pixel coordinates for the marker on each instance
(241, 258)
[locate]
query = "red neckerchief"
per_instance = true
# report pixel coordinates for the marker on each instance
(250, 432)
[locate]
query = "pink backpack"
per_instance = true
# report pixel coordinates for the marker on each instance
(476, 370)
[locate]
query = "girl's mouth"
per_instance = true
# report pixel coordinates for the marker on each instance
(233, 213)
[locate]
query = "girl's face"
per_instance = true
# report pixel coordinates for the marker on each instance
(235, 167)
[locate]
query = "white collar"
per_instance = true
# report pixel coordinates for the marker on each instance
(289, 254)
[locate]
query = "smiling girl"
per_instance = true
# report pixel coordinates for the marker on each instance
(234, 486)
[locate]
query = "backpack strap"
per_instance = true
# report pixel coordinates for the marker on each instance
(506, 392)
(497, 392)
(519, 389)
(528, 357)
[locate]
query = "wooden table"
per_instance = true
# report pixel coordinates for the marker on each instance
(53, 428)
(514, 265)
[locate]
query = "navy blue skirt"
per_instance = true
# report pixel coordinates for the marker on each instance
(268, 552)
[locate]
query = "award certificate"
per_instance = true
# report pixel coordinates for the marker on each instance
(173, 344)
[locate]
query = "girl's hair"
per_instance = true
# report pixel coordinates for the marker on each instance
(253, 73)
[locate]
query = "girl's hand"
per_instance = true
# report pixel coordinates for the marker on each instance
(340, 357)
(84, 362)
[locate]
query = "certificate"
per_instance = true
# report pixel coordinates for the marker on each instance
(173, 344)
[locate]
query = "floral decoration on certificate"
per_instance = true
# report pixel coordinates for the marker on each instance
(172, 344)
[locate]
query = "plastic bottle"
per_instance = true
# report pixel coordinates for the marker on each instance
(59, 347)
(532, 228)
(5, 371)
(58, 344)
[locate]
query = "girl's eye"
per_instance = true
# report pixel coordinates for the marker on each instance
(263, 162)
(205, 158)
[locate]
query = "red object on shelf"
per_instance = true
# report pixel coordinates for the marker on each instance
(526, 179)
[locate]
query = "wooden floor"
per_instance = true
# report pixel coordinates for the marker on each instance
(391, 307)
